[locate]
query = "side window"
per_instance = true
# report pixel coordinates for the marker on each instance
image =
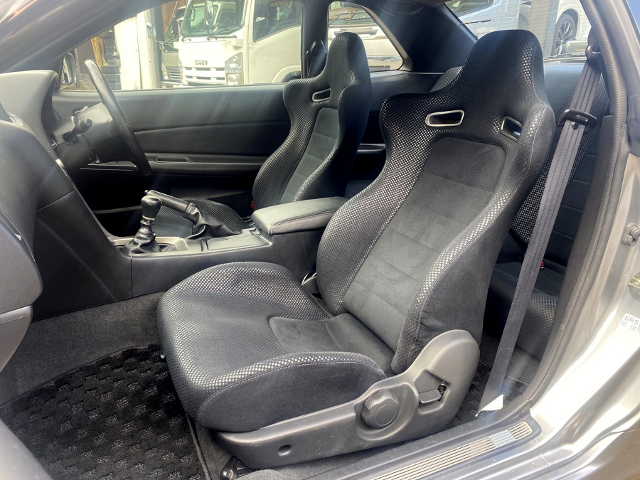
(562, 26)
(196, 43)
(274, 17)
(460, 7)
(349, 17)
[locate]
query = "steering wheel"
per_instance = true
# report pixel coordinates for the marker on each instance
(115, 110)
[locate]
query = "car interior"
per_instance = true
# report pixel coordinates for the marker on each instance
(287, 280)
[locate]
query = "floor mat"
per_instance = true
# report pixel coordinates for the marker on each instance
(469, 408)
(117, 418)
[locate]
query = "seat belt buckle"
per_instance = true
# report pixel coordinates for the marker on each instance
(578, 118)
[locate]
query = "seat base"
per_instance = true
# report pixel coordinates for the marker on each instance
(449, 360)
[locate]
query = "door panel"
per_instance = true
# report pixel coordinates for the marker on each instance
(186, 107)
(209, 143)
(201, 142)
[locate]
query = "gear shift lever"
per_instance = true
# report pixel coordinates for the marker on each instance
(145, 239)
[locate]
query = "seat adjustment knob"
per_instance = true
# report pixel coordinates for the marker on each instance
(380, 409)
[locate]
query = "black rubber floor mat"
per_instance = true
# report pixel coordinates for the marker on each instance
(469, 409)
(117, 418)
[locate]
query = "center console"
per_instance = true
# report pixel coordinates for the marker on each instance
(286, 234)
(82, 265)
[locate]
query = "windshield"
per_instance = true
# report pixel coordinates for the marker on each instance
(561, 27)
(227, 18)
(172, 33)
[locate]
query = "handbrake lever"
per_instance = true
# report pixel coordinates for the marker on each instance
(204, 225)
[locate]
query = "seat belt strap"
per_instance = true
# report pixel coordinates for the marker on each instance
(576, 119)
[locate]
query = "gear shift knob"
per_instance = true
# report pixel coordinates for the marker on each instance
(150, 207)
(145, 239)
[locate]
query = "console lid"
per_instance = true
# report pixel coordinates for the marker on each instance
(297, 216)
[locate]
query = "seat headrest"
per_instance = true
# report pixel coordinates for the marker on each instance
(507, 67)
(347, 50)
(346, 65)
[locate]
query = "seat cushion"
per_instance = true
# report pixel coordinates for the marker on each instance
(247, 347)
(538, 320)
(170, 223)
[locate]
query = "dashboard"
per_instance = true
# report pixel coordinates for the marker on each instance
(29, 97)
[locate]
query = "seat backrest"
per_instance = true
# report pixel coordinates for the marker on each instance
(411, 255)
(328, 116)
(563, 78)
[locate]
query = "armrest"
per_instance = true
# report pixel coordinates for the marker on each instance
(297, 216)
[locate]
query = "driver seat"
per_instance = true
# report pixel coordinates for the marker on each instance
(403, 269)
(328, 116)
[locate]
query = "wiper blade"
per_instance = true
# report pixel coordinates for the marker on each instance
(224, 31)
(221, 35)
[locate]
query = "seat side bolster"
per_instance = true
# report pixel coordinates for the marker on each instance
(306, 382)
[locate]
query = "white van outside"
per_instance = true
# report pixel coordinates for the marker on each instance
(233, 42)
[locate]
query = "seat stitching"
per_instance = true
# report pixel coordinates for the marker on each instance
(326, 136)
(310, 215)
(398, 268)
(570, 207)
(558, 232)
(314, 156)
(461, 183)
(447, 216)
(418, 241)
(378, 296)
(577, 180)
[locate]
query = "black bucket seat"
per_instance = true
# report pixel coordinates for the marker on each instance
(328, 116)
(403, 269)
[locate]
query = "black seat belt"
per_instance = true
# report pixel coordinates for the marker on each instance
(576, 120)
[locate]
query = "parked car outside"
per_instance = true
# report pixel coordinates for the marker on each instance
(484, 16)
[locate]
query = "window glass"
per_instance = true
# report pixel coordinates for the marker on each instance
(561, 27)
(188, 43)
(349, 17)
(276, 16)
(460, 7)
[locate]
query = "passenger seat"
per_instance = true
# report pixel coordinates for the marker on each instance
(403, 269)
